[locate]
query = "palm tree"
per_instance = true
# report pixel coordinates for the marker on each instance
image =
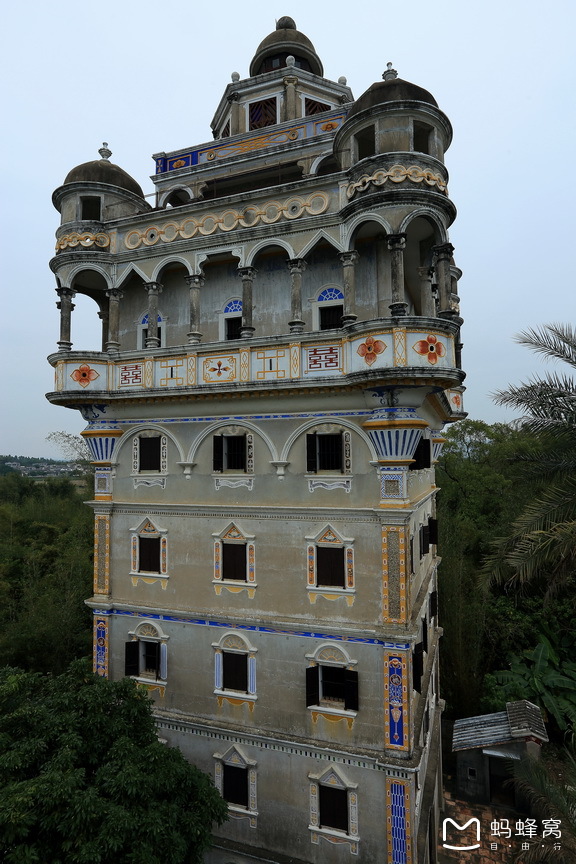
(542, 543)
(550, 787)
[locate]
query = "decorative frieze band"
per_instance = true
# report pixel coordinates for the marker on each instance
(397, 174)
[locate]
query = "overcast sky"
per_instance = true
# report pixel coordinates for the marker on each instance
(147, 77)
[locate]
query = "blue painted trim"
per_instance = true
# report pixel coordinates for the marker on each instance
(203, 622)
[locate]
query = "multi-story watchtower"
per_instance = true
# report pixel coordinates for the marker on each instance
(280, 353)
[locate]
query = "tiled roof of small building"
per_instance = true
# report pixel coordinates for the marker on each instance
(520, 720)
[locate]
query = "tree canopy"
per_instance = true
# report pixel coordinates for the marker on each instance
(85, 780)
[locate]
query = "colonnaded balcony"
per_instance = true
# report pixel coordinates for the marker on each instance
(417, 350)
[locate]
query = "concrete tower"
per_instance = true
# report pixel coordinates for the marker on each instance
(280, 353)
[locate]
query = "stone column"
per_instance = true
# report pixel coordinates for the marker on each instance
(103, 315)
(112, 344)
(195, 283)
(381, 273)
(349, 260)
(247, 275)
(290, 98)
(153, 289)
(65, 306)
(427, 301)
(443, 259)
(236, 125)
(396, 246)
(296, 267)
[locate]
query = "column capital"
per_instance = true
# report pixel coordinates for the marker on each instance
(290, 79)
(195, 281)
(247, 272)
(65, 293)
(348, 258)
(296, 265)
(114, 294)
(396, 241)
(444, 250)
(153, 287)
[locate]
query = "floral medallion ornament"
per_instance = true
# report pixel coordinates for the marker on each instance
(84, 375)
(370, 349)
(430, 348)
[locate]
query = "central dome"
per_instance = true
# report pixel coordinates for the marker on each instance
(286, 39)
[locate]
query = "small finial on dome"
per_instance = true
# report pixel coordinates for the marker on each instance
(390, 73)
(104, 152)
(235, 77)
(286, 23)
(343, 80)
(290, 60)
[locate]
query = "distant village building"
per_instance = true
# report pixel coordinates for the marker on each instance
(485, 746)
(280, 353)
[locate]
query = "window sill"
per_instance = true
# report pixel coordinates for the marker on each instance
(149, 577)
(233, 480)
(336, 712)
(149, 479)
(331, 593)
(234, 586)
(334, 835)
(329, 481)
(237, 694)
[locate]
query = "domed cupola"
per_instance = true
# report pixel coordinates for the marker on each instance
(98, 191)
(393, 116)
(283, 42)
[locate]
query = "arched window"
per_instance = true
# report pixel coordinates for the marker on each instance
(146, 654)
(230, 324)
(328, 309)
(143, 331)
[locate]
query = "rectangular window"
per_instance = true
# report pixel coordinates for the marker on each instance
(333, 808)
(229, 453)
(90, 208)
(324, 452)
(425, 633)
(312, 106)
(149, 554)
(424, 540)
(149, 459)
(422, 456)
(233, 327)
(433, 531)
(235, 785)
(262, 113)
(234, 561)
(417, 666)
(366, 142)
(422, 134)
(234, 672)
(332, 686)
(330, 568)
(330, 317)
(433, 605)
(145, 659)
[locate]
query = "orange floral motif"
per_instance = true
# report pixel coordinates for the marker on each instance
(370, 349)
(457, 401)
(84, 375)
(219, 368)
(431, 348)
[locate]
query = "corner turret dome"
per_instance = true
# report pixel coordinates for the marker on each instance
(103, 171)
(391, 89)
(284, 41)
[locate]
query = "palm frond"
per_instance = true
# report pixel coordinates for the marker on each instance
(554, 341)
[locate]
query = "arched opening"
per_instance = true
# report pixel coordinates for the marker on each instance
(272, 287)
(89, 327)
(177, 198)
(174, 303)
(373, 274)
(222, 285)
(422, 234)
